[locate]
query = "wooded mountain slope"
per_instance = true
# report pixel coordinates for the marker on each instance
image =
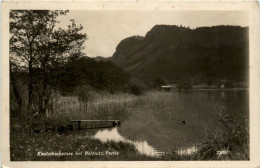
(177, 53)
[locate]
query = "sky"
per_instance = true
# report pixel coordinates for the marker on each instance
(105, 29)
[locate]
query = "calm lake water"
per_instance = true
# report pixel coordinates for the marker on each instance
(156, 128)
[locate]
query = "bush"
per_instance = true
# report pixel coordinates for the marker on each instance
(85, 93)
(233, 139)
(158, 82)
(135, 86)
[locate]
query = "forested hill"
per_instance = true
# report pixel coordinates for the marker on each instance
(177, 53)
(101, 75)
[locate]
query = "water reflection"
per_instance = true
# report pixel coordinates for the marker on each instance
(142, 146)
(113, 135)
(187, 151)
(223, 94)
(154, 127)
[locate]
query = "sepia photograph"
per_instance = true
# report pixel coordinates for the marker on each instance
(129, 85)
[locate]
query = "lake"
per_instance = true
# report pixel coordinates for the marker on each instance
(155, 126)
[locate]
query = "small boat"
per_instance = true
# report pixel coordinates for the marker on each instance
(92, 124)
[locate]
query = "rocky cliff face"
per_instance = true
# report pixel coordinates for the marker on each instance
(178, 53)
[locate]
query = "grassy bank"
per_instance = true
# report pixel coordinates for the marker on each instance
(34, 147)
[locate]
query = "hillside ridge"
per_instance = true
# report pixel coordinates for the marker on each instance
(177, 53)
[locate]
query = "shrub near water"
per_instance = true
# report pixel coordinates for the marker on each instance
(230, 143)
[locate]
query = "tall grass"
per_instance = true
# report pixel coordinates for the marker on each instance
(102, 106)
(105, 106)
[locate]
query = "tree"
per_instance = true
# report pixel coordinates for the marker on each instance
(158, 82)
(37, 46)
(136, 86)
(25, 27)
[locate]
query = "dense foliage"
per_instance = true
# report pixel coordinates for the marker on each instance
(100, 75)
(37, 46)
(46, 60)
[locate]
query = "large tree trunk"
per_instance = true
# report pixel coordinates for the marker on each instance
(16, 93)
(44, 97)
(30, 84)
(30, 87)
(44, 100)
